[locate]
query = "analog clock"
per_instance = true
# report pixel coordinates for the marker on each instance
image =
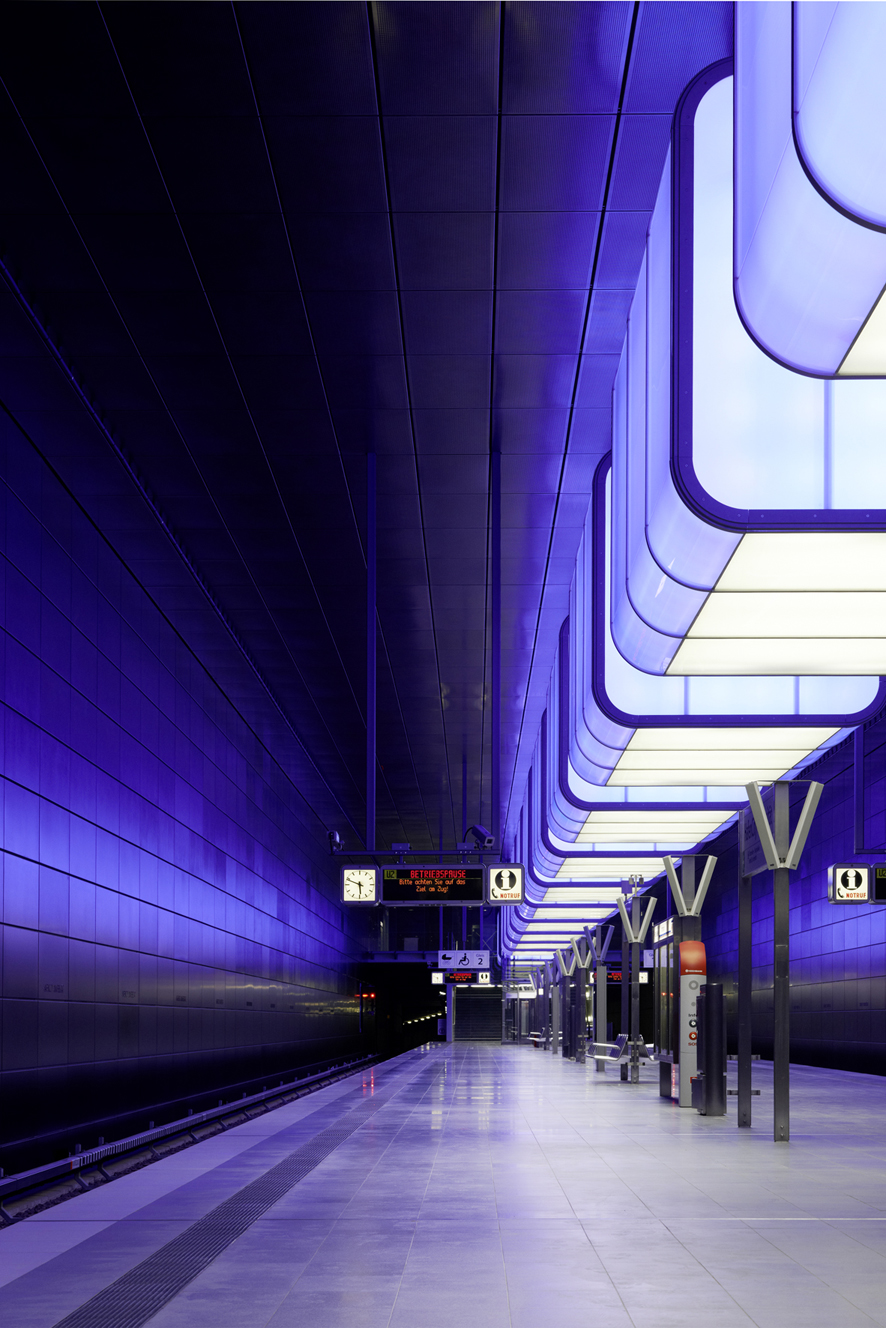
(358, 885)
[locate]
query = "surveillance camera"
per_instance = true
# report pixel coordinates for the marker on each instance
(483, 837)
(335, 844)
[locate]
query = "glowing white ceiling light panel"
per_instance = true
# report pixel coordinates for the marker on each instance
(754, 445)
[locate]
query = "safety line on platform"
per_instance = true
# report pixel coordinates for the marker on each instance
(139, 1294)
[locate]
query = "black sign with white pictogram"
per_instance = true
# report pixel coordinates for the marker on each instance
(504, 883)
(849, 883)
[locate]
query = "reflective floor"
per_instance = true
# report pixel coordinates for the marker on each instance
(499, 1187)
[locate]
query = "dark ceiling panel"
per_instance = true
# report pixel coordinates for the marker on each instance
(441, 163)
(327, 164)
(562, 57)
(640, 157)
(439, 380)
(447, 322)
(309, 59)
(545, 250)
(188, 66)
(358, 322)
(596, 379)
(693, 35)
(568, 155)
(448, 251)
(546, 322)
(534, 380)
(621, 250)
(371, 382)
(452, 431)
(609, 311)
(532, 429)
(438, 59)
(342, 250)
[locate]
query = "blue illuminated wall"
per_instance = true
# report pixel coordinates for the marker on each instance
(170, 921)
(838, 953)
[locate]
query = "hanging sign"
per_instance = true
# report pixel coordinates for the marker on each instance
(878, 883)
(753, 855)
(849, 883)
(504, 883)
(434, 884)
(462, 958)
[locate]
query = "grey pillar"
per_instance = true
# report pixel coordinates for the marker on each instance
(781, 980)
(625, 995)
(601, 1015)
(745, 974)
(635, 993)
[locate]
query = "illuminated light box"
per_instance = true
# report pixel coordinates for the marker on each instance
(628, 727)
(745, 502)
(839, 104)
(807, 274)
(433, 885)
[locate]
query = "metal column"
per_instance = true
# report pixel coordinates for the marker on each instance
(635, 992)
(745, 977)
(450, 1012)
(371, 640)
(601, 1025)
(495, 606)
(781, 978)
(625, 975)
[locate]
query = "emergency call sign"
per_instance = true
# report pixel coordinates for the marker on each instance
(849, 883)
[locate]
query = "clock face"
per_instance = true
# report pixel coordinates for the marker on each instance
(358, 885)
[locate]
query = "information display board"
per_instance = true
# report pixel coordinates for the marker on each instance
(435, 884)
(455, 977)
(878, 893)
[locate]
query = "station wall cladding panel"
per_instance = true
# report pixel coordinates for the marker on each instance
(837, 952)
(170, 920)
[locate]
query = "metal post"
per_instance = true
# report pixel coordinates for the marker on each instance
(745, 976)
(601, 1027)
(495, 607)
(635, 992)
(450, 1012)
(371, 638)
(555, 1018)
(625, 975)
(687, 882)
(781, 982)
(858, 787)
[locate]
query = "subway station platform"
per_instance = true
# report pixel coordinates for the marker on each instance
(489, 1185)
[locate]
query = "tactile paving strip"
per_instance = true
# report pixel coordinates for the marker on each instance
(140, 1293)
